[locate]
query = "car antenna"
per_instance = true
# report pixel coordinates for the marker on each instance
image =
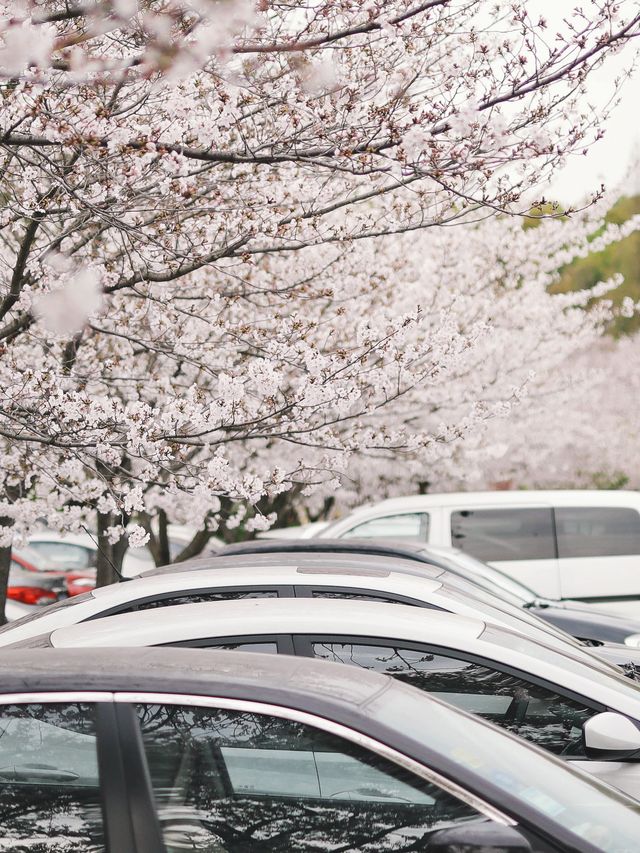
(95, 542)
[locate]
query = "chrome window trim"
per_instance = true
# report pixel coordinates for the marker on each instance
(49, 696)
(328, 726)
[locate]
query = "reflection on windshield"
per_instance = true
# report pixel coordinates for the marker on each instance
(488, 757)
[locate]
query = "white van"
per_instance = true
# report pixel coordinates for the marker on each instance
(563, 544)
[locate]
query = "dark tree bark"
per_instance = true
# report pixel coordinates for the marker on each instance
(5, 565)
(109, 559)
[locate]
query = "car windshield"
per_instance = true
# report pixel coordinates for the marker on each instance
(64, 555)
(517, 642)
(487, 757)
(31, 556)
(500, 612)
(491, 579)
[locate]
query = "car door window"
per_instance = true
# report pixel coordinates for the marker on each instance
(534, 712)
(227, 781)
(597, 531)
(267, 648)
(364, 595)
(49, 782)
(504, 534)
(194, 597)
(408, 526)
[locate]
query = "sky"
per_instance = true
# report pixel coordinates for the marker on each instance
(611, 160)
(615, 159)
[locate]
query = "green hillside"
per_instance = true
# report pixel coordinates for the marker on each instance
(622, 257)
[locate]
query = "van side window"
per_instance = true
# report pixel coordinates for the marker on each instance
(504, 534)
(597, 531)
(413, 526)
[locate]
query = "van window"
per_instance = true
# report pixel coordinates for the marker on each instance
(597, 531)
(504, 534)
(413, 525)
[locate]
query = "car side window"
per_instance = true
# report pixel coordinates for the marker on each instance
(196, 597)
(369, 595)
(227, 780)
(504, 534)
(407, 526)
(597, 531)
(49, 781)
(535, 713)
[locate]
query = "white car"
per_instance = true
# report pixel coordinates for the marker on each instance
(532, 690)
(580, 544)
(304, 576)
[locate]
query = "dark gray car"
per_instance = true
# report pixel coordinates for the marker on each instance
(167, 750)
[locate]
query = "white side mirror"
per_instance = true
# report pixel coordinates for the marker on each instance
(609, 737)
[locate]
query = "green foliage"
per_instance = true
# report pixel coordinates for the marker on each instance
(611, 481)
(546, 210)
(622, 257)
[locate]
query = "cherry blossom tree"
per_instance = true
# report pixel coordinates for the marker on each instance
(200, 303)
(528, 370)
(584, 435)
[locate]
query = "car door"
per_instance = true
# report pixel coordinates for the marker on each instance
(599, 556)
(518, 540)
(541, 713)
(230, 776)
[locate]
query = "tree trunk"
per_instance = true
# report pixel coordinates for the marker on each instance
(5, 565)
(107, 556)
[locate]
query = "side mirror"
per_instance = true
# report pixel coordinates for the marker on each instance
(610, 737)
(478, 837)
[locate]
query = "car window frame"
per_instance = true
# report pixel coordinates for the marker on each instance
(283, 641)
(132, 605)
(303, 647)
(385, 597)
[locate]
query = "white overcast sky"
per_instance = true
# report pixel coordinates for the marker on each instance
(611, 160)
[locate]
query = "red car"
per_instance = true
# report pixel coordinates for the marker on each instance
(33, 581)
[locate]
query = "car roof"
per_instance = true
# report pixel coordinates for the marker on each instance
(183, 671)
(395, 548)
(340, 559)
(254, 576)
(184, 622)
(555, 497)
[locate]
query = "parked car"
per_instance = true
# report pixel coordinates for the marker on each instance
(79, 550)
(528, 688)
(170, 750)
(354, 576)
(29, 587)
(577, 544)
(34, 561)
(586, 624)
